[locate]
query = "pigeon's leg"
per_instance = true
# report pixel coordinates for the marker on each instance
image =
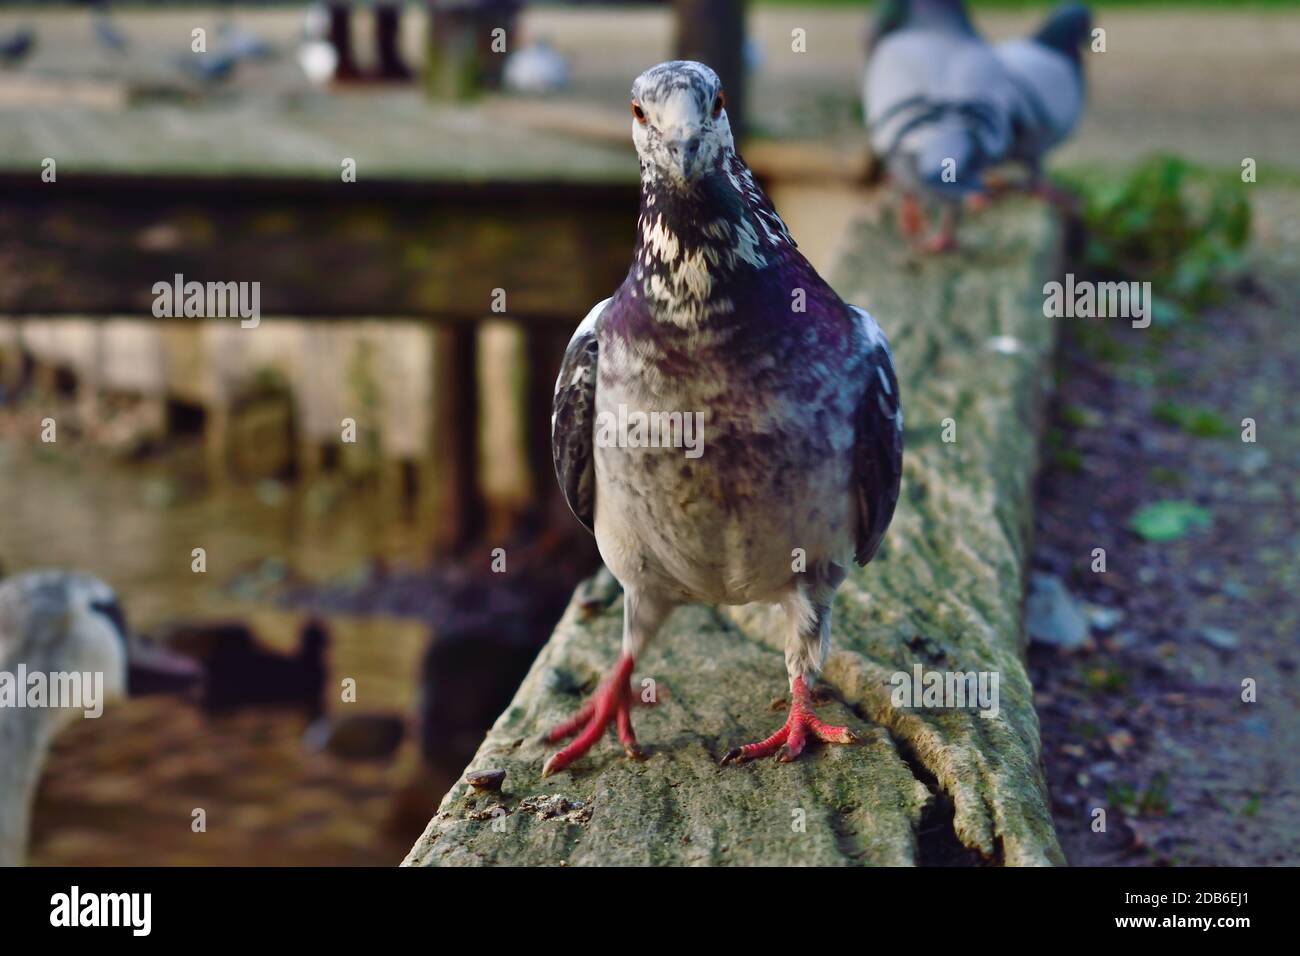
(1055, 196)
(945, 240)
(612, 703)
(805, 652)
(994, 188)
(911, 220)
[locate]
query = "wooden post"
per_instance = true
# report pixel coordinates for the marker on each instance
(545, 351)
(456, 424)
(713, 32)
(463, 56)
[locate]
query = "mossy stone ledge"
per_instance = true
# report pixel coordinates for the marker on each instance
(924, 786)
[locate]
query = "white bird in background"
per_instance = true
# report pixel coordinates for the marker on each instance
(316, 54)
(60, 623)
(536, 70)
(939, 105)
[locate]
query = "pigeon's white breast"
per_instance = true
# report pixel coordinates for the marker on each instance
(728, 526)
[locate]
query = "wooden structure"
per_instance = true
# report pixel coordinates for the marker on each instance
(927, 785)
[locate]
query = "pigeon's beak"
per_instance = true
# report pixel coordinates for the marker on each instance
(683, 150)
(153, 669)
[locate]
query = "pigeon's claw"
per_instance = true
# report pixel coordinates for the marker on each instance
(1053, 195)
(612, 703)
(910, 218)
(567, 728)
(789, 741)
(943, 241)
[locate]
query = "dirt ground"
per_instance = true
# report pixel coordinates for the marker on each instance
(1148, 721)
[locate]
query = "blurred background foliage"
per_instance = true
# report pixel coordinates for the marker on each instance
(1166, 222)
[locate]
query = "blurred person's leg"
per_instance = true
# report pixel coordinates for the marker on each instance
(388, 40)
(341, 40)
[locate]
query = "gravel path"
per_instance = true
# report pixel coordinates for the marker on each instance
(1148, 721)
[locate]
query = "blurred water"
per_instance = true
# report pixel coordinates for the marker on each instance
(122, 789)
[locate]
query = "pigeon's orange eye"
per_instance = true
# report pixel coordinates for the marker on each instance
(718, 104)
(638, 112)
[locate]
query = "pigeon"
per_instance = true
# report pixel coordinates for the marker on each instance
(316, 54)
(1046, 71)
(243, 44)
(215, 67)
(792, 465)
(237, 45)
(16, 47)
(939, 105)
(319, 61)
(106, 31)
(536, 70)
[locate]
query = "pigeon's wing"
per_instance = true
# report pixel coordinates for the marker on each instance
(1048, 94)
(932, 96)
(878, 447)
(573, 418)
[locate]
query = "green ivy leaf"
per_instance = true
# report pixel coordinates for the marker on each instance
(1169, 520)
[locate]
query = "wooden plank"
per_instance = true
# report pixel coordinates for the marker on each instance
(439, 250)
(390, 135)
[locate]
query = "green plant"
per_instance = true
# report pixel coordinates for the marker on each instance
(1169, 520)
(1195, 421)
(1163, 223)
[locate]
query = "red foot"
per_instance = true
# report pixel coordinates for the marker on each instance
(943, 241)
(910, 219)
(788, 742)
(612, 702)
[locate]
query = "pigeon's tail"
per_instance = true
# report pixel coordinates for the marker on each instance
(1066, 28)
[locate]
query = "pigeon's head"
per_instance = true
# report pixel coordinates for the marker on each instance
(66, 622)
(679, 121)
(1066, 29)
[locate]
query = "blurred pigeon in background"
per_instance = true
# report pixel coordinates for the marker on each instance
(235, 45)
(243, 44)
(213, 67)
(939, 105)
(316, 54)
(536, 70)
(106, 31)
(15, 47)
(1046, 71)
